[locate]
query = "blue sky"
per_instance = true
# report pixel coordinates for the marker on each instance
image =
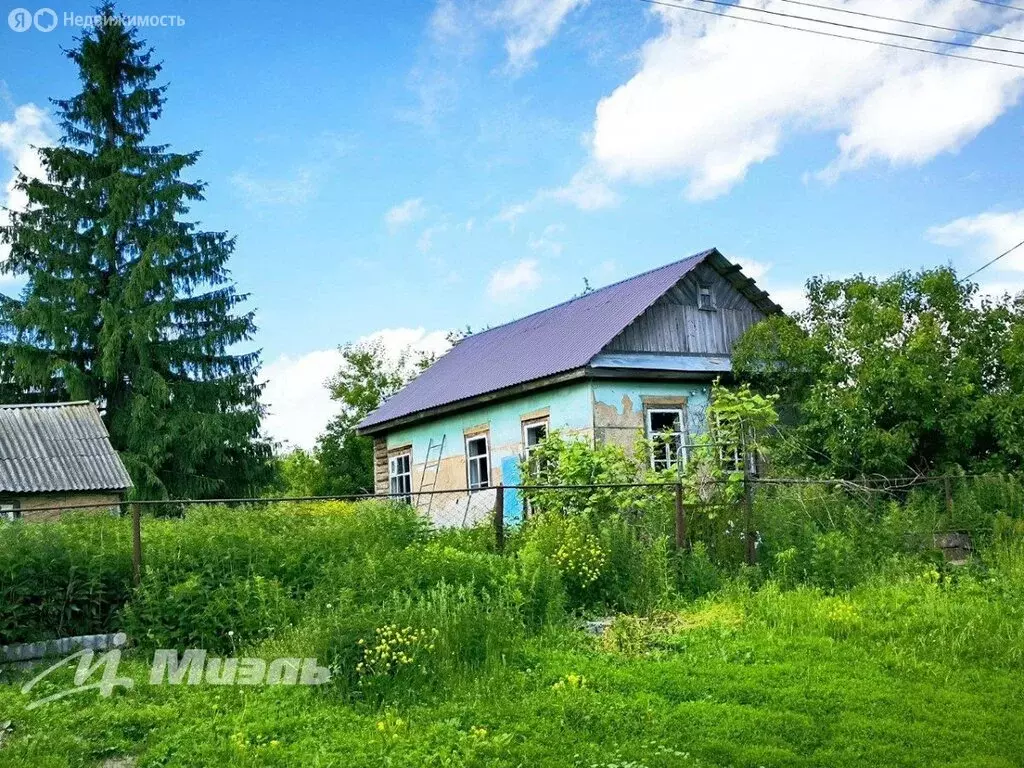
(405, 168)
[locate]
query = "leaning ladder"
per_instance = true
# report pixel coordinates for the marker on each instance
(431, 463)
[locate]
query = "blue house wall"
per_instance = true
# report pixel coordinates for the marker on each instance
(601, 410)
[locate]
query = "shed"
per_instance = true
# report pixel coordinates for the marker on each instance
(56, 456)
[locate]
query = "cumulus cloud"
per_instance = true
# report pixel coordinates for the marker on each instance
(531, 24)
(986, 235)
(510, 280)
(298, 403)
(714, 96)
(404, 213)
(30, 127)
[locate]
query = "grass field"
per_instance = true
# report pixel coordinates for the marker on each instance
(908, 669)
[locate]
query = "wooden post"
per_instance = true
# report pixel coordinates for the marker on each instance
(499, 518)
(748, 506)
(949, 498)
(682, 539)
(136, 545)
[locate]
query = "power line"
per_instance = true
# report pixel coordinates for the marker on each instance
(904, 21)
(823, 33)
(1000, 5)
(841, 25)
(1007, 252)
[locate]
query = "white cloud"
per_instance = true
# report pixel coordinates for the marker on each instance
(547, 241)
(531, 25)
(715, 96)
(986, 235)
(752, 268)
(790, 299)
(29, 128)
(426, 239)
(510, 214)
(405, 213)
(296, 189)
(511, 280)
(298, 402)
(587, 190)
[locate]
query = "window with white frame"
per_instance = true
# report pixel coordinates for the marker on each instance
(665, 430)
(400, 476)
(10, 510)
(733, 459)
(534, 433)
(477, 462)
(705, 297)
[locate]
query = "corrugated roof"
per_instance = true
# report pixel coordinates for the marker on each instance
(555, 340)
(51, 447)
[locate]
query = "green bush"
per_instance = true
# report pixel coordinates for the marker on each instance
(62, 579)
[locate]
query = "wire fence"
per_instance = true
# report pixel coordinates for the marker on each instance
(734, 520)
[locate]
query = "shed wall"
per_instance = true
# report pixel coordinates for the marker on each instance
(33, 507)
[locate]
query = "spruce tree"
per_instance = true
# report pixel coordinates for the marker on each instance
(126, 303)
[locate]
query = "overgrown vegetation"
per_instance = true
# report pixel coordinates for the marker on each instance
(912, 374)
(446, 653)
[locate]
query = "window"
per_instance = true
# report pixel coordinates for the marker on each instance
(400, 476)
(705, 298)
(534, 433)
(477, 463)
(10, 510)
(665, 430)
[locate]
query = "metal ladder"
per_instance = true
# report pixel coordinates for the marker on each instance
(430, 464)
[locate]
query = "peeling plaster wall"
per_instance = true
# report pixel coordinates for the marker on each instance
(619, 407)
(603, 410)
(568, 409)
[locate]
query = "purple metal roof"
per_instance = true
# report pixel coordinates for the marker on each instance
(555, 340)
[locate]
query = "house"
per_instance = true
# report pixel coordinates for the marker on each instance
(635, 357)
(56, 455)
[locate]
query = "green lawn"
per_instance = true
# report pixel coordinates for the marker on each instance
(897, 673)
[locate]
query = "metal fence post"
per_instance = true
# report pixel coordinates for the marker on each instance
(136, 544)
(499, 518)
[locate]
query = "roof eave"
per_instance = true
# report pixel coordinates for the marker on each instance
(471, 402)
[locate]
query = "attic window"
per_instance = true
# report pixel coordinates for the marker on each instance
(705, 298)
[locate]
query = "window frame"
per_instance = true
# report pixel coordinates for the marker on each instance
(706, 290)
(485, 458)
(395, 478)
(528, 449)
(682, 449)
(533, 424)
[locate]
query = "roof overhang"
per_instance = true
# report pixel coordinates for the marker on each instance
(745, 285)
(631, 366)
(473, 402)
